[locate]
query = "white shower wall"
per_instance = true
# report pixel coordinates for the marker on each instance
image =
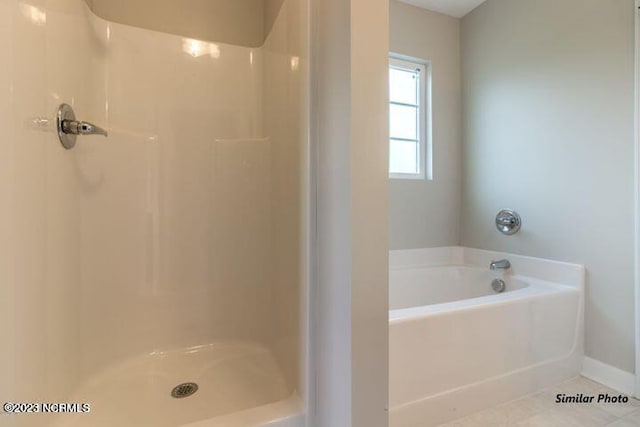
(183, 227)
(209, 232)
(285, 120)
(176, 241)
(40, 199)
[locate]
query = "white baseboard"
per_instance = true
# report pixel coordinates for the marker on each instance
(608, 375)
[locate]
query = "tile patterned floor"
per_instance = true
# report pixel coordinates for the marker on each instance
(540, 410)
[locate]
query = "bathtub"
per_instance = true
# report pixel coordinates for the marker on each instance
(457, 347)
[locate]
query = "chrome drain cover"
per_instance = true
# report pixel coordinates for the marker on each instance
(498, 286)
(184, 390)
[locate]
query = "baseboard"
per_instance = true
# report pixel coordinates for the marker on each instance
(608, 375)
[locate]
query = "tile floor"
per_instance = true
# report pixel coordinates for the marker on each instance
(540, 410)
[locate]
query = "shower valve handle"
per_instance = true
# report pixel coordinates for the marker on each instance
(74, 127)
(69, 128)
(508, 221)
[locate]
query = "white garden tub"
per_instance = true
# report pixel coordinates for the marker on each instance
(456, 346)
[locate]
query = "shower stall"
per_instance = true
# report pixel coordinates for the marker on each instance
(158, 276)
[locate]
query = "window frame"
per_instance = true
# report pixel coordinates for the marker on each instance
(403, 62)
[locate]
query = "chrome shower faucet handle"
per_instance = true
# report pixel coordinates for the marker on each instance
(508, 222)
(69, 128)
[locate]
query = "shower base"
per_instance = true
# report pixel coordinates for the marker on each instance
(238, 384)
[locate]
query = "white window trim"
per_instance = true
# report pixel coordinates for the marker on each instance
(406, 62)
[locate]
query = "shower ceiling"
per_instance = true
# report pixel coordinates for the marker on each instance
(455, 8)
(238, 22)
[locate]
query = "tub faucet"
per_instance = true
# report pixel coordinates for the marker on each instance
(502, 264)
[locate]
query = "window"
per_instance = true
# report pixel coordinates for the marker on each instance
(408, 112)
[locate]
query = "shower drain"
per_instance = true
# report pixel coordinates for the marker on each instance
(184, 390)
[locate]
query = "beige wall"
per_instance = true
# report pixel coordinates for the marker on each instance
(241, 22)
(548, 129)
(369, 158)
(351, 296)
(427, 213)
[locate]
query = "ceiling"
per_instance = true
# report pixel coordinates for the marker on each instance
(456, 8)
